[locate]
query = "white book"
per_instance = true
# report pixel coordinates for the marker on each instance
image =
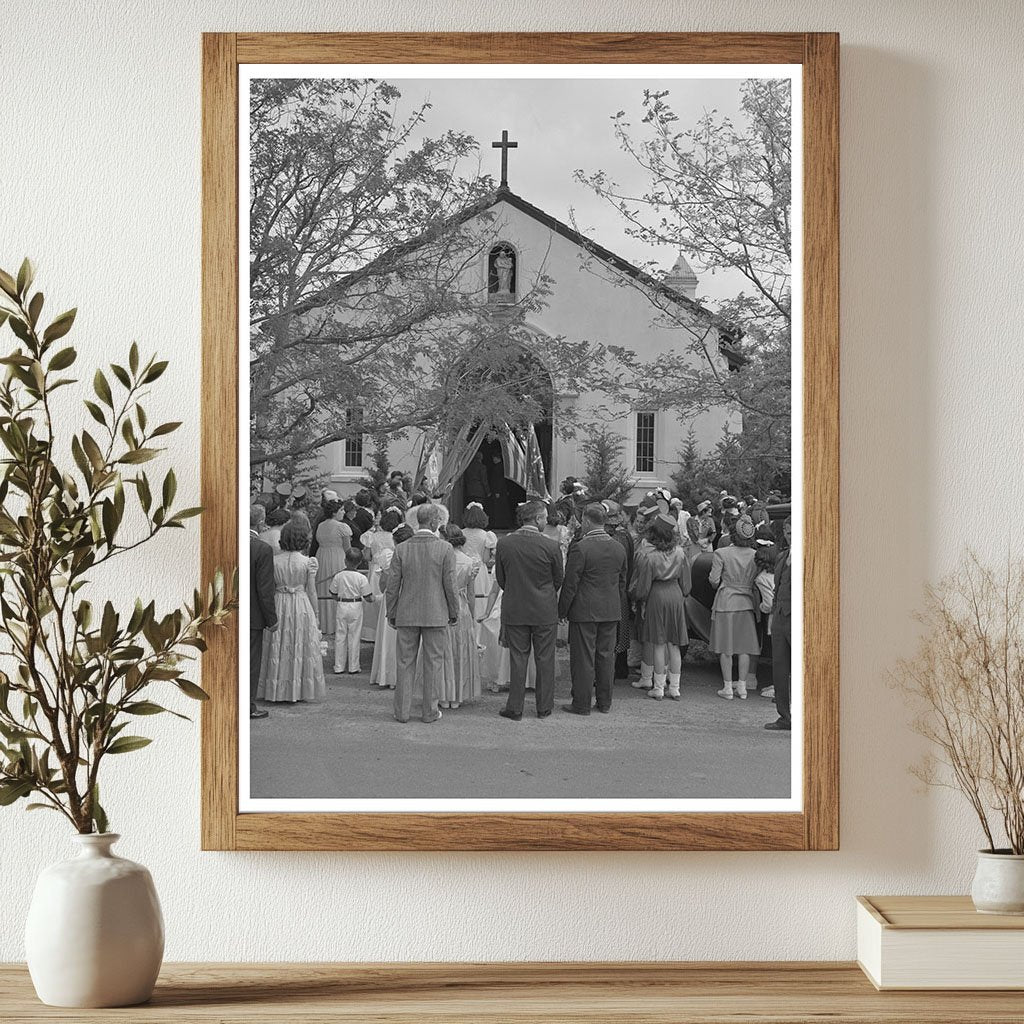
(938, 942)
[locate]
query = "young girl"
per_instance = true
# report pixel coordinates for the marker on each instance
(661, 581)
(733, 622)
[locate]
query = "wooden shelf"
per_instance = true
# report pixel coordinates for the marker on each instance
(662, 993)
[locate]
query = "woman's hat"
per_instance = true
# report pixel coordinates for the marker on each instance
(743, 527)
(704, 506)
(667, 520)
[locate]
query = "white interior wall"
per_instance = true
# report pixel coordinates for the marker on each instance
(99, 182)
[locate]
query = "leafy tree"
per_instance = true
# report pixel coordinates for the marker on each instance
(80, 673)
(719, 192)
(605, 475)
(361, 295)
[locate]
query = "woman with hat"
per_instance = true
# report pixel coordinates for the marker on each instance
(708, 529)
(645, 515)
(733, 613)
(661, 581)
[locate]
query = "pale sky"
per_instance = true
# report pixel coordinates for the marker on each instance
(565, 124)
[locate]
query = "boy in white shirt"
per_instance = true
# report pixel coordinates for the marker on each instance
(350, 588)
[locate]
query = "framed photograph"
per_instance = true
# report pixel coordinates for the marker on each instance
(521, 389)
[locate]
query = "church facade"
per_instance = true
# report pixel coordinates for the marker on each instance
(595, 296)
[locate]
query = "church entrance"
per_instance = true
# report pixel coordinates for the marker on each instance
(485, 478)
(485, 481)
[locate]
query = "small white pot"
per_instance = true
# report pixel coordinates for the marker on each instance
(999, 883)
(95, 934)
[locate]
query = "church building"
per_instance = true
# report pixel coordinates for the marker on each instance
(596, 296)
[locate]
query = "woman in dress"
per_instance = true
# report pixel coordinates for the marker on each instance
(661, 582)
(375, 542)
(334, 539)
(733, 625)
(464, 685)
(639, 650)
(480, 544)
(292, 668)
(383, 668)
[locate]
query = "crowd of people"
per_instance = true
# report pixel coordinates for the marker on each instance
(453, 609)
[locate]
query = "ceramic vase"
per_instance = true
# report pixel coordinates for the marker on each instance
(95, 934)
(999, 882)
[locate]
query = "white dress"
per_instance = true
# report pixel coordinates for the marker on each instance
(383, 669)
(480, 544)
(293, 666)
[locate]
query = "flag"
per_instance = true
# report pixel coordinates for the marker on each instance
(514, 456)
(537, 483)
(524, 465)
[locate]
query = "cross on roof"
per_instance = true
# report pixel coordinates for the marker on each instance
(504, 146)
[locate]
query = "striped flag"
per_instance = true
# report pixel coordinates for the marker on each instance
(524, 465)
(514, 457)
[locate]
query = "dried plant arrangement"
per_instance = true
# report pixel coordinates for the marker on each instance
(966, 682)
(75, 673)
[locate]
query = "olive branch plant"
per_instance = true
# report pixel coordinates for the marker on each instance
(74, 675)
(966, 681)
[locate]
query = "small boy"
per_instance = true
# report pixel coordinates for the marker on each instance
(351, 588)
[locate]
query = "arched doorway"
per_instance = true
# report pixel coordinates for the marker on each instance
(526, 404)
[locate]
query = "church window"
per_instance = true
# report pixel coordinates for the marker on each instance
(354, 442)
(645, 442)
(502, 273)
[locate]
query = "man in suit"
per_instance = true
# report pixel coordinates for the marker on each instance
(782, 630)
(528, 568)
(422, 604)
(591, 599)
(262, 610)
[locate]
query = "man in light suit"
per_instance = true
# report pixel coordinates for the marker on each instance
(782, 633)
(528, 568)
(422, 603)
(262, 610)
(591, 599)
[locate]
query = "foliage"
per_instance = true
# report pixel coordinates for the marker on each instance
(720, 193)
(967, 679)
(363, 294)
(605, 476)
(696, 478)
(376, 478)
(83, 674)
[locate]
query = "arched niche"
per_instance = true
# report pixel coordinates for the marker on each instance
(502, 273)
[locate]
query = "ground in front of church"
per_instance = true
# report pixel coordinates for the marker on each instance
(350, 746)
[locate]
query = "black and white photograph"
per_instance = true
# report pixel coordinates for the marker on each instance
(524, 461)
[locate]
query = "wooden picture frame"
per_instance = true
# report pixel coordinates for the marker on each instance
(816, 827)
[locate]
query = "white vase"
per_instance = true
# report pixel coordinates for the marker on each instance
(95, 934)
(999, 883)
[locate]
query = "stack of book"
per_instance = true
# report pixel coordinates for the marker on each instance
(938, 942)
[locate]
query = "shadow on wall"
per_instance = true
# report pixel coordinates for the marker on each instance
(888, 273)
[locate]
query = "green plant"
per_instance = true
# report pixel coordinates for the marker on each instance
(81, 674)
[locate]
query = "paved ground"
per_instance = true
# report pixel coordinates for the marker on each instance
(351, 747)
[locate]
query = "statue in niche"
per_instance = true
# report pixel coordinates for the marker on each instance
(503, 264)
(502, 276)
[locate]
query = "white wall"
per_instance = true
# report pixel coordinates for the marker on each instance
(99, 181)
